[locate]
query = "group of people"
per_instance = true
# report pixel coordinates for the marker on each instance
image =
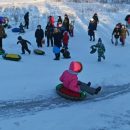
(120, 32)
(99, 47)
(58, 35)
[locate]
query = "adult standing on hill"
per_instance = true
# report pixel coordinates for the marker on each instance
(2, 35)
(26, 20)
(66, 22)
(49, 34)
(96, 20)
(91, 29)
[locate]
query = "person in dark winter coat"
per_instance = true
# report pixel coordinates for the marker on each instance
(57, 43)
(91, 29)
(65, 40)
(59, 20)
(66, 53)
(39, 34)
(127, 19)
(57, 36)
(26, 20)
(49, 34)
(2, 35)
(21, 27)
(96, 20)
(100, 49)
(24, 45)
(66, 22)
(116, 32)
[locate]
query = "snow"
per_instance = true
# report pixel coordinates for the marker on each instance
(33, 79)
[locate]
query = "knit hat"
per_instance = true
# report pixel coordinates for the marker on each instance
(99, 40)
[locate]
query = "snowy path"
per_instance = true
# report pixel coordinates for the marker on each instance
(20, 108)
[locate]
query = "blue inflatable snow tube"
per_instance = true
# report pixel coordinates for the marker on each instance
(1, 19)
(16, 30)
(56, 49)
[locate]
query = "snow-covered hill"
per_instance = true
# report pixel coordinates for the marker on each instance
(28, 86)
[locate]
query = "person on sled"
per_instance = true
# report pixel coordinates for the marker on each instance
(69, 78)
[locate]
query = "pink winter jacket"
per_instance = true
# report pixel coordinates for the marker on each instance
(70, 80)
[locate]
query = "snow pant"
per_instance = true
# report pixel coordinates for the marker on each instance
(101, 55)
(26, 24)
(122, 39)
(85, 88)
(65, 46)
(57, 56)
(0, 43)
(116, 41)
(91, 33)
(95, 26)
(49, 38)
(25, 48)
(92, 37)
(39, 42)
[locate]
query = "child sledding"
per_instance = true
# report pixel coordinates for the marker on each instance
(71, 87)
(100, 48)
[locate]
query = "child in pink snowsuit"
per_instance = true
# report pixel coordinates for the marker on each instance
(70, 80)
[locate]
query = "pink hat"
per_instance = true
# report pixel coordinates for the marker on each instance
(76, 66)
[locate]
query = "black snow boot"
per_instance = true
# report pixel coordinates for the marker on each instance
(98, 89)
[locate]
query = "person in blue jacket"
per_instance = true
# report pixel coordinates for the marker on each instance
(57, 36)
(91, 29)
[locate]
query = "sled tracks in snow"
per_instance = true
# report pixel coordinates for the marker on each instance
(9, 109)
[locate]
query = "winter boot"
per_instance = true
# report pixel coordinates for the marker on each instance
(98, 89)
(103, 57)
(99, 59)
(29, 52)
(89, 84)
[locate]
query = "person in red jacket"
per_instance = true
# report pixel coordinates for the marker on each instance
(69, 79)
(65, 39)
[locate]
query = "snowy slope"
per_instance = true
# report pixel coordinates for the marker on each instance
(28, 86)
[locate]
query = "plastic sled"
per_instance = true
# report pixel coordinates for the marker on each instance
(16, 30)
(13, 57)
(69, 94)
(93, 50)
(39, 52)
